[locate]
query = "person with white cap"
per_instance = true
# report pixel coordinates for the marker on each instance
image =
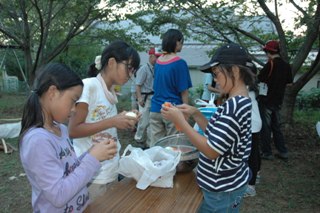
(144, 92)
(223, 172)
(274, 77)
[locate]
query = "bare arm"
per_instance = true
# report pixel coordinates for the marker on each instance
(139, 95)
(79, 128)
(175, 115)
(185, 96)
(200, 120)
(213, 89)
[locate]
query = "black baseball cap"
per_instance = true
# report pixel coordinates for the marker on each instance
(230, 53)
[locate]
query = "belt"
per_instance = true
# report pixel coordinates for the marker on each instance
(146, 94)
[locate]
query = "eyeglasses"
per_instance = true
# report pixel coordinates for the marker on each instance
(214, 73)
(129, 69)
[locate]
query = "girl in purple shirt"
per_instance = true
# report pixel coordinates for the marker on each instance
(57, 176)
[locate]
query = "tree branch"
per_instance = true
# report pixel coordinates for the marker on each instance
(275, 20)
(41, 41)
(2, 46)
(305, 14)
(311, 35)
(74, 31)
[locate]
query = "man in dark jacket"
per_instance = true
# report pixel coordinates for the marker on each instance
(273, 78)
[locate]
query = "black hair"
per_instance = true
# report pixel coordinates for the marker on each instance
(169, 40)
(119, 50)
(245, 73)
(254, 70)
(55, 74)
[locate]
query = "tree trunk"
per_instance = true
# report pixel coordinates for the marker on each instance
(289, 105)
(28, 66)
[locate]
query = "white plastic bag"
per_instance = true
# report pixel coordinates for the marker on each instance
(155, 166)
(318, 128)
(209, 104)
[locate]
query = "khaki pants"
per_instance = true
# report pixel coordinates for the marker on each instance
(142, 133)
(160, 128)
(134, 104)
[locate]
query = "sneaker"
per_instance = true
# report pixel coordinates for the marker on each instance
(250, 191)
(267, 156)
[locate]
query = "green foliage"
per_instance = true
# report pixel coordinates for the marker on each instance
(309, 100)
(81, 52)
(46, 29)
(195, 93)
(311, 116)
(11, 63)
(11, 105)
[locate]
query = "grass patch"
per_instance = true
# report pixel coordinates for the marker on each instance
(11, 105)
(306, 116)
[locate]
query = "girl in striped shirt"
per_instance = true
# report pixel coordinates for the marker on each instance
(223, 171)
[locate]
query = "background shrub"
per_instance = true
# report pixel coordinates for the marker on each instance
(309, 100)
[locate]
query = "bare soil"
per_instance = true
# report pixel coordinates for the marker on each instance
(292, 186)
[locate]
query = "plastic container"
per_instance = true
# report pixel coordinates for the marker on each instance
(207, 112)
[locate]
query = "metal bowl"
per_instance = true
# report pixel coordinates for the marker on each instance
(189, 153)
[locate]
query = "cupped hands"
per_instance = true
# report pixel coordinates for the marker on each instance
(105, 150)
(122, 121)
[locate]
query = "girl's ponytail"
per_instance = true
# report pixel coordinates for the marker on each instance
(32, 113)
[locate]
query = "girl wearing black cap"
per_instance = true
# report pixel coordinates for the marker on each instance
(223, 171)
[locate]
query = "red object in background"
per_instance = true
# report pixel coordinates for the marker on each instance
(272, 46)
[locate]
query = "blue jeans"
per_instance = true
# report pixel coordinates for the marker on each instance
(222, 202)
(270, 117)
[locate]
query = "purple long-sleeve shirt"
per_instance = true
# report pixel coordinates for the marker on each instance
(57, 176)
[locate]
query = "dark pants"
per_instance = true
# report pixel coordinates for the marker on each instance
(254, 158)
(270, 116)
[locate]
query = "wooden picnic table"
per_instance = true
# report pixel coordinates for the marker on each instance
(123, 196)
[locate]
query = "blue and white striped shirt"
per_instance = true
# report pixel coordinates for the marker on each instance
(228, 133)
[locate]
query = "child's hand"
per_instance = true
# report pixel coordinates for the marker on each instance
(101, 136)
(137, 113)
(122, 121)
(105, 150)
(187, 110)
(173, 114)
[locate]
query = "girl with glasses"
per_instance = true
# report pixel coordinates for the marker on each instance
(96, 117)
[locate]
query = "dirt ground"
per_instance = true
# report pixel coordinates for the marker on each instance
(292, 186)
